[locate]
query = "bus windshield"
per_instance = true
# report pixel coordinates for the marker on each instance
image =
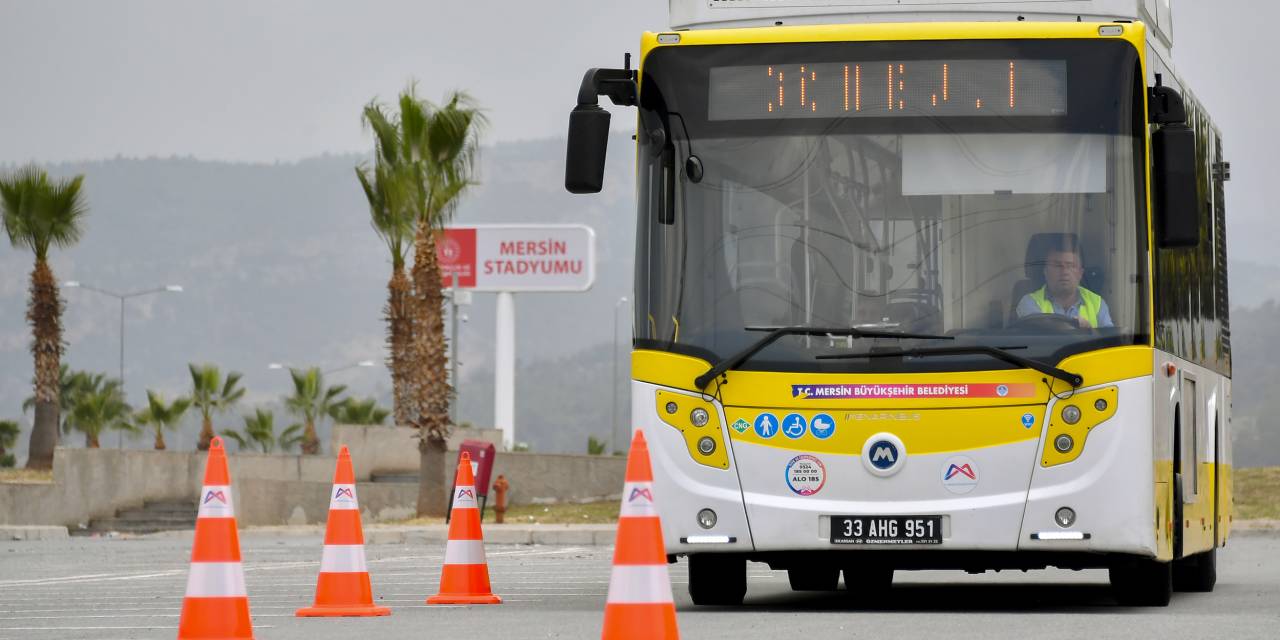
(987, 191)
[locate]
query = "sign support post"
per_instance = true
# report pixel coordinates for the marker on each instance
(504, 378)
(506, 259)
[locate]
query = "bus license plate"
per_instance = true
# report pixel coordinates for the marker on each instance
(886, 529)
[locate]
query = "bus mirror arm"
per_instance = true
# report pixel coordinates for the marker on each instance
(1165, 106)
(589, 127)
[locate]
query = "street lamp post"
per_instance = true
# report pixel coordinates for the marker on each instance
(172, 288)
(362, 363)
(613, 427)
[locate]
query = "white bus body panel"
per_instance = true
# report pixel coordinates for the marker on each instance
(1109, 486)
(683, 487)
(700, 14)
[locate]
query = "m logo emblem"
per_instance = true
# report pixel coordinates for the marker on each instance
(883, 454)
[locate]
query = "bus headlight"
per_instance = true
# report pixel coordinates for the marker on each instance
(1063, 443)
(1071, 414)
(699, 417)
(706, 446)
(1065, 517)
(706, 518)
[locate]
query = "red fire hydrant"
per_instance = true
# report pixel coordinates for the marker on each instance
(500, 487)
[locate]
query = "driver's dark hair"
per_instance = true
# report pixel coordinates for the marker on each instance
(1065, 243)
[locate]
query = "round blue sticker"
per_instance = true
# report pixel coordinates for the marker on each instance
(883, 455)
(766, 425)
(794, 425)
(822, 426)
(1002, 390)
(1028, 420)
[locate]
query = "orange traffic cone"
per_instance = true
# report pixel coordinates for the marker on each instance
(639, 605)
(464, 579)
(216, 604)
(343, 586)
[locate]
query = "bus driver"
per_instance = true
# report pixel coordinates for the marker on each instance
(1062, 293)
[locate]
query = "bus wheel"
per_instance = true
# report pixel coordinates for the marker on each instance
(717, 579)
(868, 583)
(1197, 573)
(814, 578)
(1142, 582)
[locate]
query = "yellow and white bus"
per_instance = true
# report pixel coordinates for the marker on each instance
(925, 285)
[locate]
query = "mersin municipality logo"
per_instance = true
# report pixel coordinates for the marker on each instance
(215, 495)
(466, 493)
(344, 492)
(640, 492)
(883, 455)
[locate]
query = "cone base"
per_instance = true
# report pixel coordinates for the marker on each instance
(455, 598)
(343, 611)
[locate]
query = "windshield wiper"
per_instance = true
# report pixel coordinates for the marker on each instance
(1073, 379)
(777, 332)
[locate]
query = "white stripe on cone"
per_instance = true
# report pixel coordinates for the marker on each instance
(464, 497)
(215, 502)
(637, 500)
(639, 584)
(464, 552)
(343, 558)
(343, 498)
(216, 580)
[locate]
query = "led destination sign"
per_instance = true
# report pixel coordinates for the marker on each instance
(916, 88)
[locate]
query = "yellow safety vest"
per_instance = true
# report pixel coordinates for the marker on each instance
(1090, 304)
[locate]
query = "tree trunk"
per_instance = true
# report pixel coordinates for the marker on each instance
(91, 440)
(44, 314)
(399, 316)
(44, 436)
(434, 480)
(431, 391)
(310, 443)
(160, 440)
(206, 434)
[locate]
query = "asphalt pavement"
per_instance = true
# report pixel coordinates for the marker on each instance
(104, 588)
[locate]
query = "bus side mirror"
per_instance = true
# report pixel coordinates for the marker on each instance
(1176, 198)
(588, 142)
(589, 126)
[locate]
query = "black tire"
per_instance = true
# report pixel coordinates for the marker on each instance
(1197, 573)
(814, 579)
(868, 583)
(717, 579)
(1142, 582)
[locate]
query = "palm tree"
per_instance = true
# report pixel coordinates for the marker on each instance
(435, 149)
(290, 438)
(211, 394)
(261, 428)
(387, 187)
(70, 384)
(311, 400)
(8, 438)
(358, 412)
(100, 409)
(162, 416)
(39, 214)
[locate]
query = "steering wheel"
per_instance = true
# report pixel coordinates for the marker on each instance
(1047, 322)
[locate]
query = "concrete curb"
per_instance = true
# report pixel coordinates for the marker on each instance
(15, 532)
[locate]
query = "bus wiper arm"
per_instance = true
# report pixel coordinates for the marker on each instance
(778, 332)
(1073, 379)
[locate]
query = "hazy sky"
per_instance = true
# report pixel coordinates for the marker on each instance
(285, 79)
